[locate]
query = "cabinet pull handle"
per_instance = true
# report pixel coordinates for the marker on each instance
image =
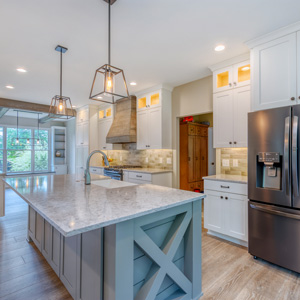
(293, 98)
(139, 176)
(225, 186)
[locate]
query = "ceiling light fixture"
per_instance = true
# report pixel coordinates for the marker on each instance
(61, 106)
(112, 83)
(21, 70)
(220, 48)
(9, 87)
(133, 83)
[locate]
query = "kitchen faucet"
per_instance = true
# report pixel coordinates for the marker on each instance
(87, 175)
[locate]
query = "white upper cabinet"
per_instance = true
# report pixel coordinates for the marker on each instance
(232, 76)
(275, 73)
(154, 120)
(83, 115)
(231, 117)
(82, 134)
(105, 112)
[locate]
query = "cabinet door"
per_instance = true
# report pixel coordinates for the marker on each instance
(154, 99)
(198, 158)
(79, 135)
(241, 107)
(191, 158)
(298, 67)
(85, 132)
(104, 127)
(223, 119)
(68, 268)
(203, 157)
(274, 73)
(236, 216)
(241, 74)
(222, 79)
(154, 128)
(214, 212)
(142, 130)
(142, 102)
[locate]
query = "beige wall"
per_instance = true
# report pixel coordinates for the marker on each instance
(189, 99)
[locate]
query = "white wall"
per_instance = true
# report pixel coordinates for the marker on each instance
(189, 99)
(71, 145)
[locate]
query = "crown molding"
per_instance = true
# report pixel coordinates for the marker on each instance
(155, 88)
(229, 62)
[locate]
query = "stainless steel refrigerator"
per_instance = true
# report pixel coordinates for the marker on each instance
(273, 186)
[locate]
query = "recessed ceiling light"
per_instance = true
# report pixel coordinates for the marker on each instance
(9, 87)
(220, 48)
(133, 83)
(21, 70)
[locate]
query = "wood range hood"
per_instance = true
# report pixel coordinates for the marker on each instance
(123, 128)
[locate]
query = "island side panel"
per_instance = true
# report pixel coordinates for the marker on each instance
(2, 197)
(151, 247)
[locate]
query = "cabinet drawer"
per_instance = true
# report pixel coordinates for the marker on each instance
(98, 171)
(202, 131)
(192, 130)
(140, 176)
(226, 187)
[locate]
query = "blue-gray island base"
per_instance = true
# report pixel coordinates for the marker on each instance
(127, 243)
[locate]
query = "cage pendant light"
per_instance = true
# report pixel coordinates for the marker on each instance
(109, 84)
(61, 106)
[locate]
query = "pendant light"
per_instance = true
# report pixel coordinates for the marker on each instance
(61, 106)
(109, 83)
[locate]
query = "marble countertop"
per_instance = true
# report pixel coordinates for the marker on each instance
(73, 207)
(142, 170)
(230, 178)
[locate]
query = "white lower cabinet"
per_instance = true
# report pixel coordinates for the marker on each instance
(97, 170)
(60, 169)
(226, 213)
(162, 179)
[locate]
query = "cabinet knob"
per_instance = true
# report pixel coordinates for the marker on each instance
(226, 198)
(234, 143)
(221, 197)
(230, 84)
(230, 143)
(293, 98)
(234, 83)
(299, 97)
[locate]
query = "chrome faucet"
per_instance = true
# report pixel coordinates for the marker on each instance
(87, 175)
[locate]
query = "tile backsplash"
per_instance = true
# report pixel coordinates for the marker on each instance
(160, 158)
(233, 161)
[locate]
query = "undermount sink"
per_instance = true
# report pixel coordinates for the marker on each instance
(111, 183)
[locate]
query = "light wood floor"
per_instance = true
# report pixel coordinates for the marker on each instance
(229, 272)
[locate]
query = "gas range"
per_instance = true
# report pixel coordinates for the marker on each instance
(116, 172)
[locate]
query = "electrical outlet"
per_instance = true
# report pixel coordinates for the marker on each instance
(146, 160)
(169, 160)
(160, 160)
(121, 158)
(235, 162)
(225, 162)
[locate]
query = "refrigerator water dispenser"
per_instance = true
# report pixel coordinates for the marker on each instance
(269, 170)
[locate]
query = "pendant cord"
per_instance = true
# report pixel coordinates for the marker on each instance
(38, 126)
(109, 31)
(17, 124)
(60, 72)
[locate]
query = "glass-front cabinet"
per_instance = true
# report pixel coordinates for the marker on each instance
(105, 112)
(148, 101)
(233, 76)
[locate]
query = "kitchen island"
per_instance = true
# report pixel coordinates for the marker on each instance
(116, 240)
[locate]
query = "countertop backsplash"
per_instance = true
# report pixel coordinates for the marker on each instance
(234, 155)
(130, 156)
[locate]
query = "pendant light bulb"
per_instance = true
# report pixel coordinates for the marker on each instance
(17, 141)
(38, 141)
(61, 107)
(27, 141)
(110, 82)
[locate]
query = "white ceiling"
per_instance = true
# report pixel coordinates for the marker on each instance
(154, 41)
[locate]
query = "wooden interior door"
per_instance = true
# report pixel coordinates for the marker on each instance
(191, 156)
(198, 158)
(203, 156)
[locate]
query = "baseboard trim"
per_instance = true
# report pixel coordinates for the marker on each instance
(228, 238)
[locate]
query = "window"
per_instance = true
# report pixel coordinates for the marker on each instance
(1, 148)
(26, 155)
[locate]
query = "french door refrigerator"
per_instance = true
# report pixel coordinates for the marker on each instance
(273, 186)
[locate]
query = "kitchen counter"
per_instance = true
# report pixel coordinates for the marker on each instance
(105, 238)
(73, 208)
(228, 178)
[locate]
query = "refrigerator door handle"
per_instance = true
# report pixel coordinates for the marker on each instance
(274, 211)
(295, 157)
(287, 155)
